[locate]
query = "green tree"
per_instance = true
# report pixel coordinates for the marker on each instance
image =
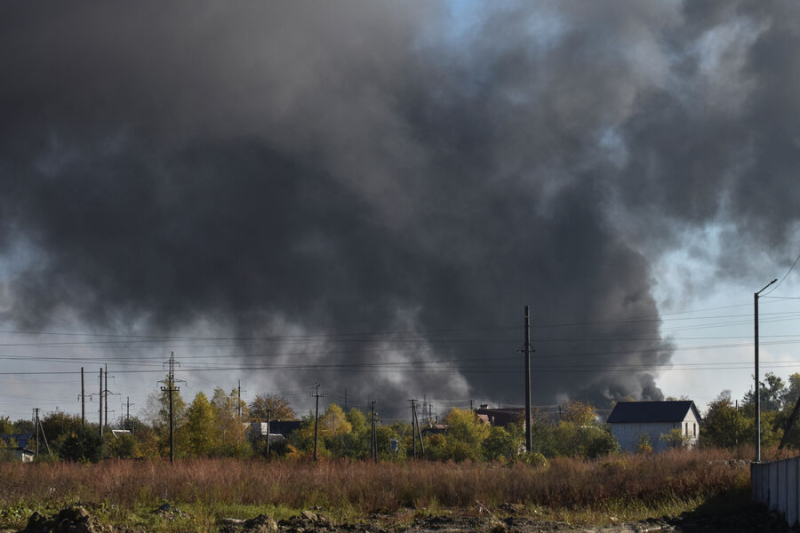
(122, 446)
(200, 428)
(674, 438)
(579, 413)
(465, 435)
(226, 416)
(158, 415)
(6, 427)
(723, 425)
(58, 426)
(83, 445)
(280, 408)
(22, 427)
(792, 392)
(644, 446)
(501, 444)
(772, 394)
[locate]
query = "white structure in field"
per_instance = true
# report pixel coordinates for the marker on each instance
(630, 420)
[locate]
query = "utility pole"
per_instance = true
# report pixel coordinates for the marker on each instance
(239, 404)
(316, 396)
(105, 392)
(269, 420)
(758, 388)
(419, 431)
(413, 428)
(170, 389)
(101, 402)
(472, 405)
(527, 350)
(128, 414)
(373, 449)
(37, 431)
(83, 401)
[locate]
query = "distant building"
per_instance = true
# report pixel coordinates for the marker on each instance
(15, 447)
(17, 454)
(277, 428)
(630, 420)
(500, 416)
(19, 439)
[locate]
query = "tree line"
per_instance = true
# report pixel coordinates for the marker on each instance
(218, 427)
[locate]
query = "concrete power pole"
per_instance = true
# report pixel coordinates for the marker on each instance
(758, 388)
(413, 428)
(101, 402)
(37, 431)
(527, 350)
(373, 449)
(83, 401)
(316, 396)
(419, 431)
(105, 393)
(269, 419)
(170, 389)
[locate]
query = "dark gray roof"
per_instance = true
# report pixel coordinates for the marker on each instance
(633, 412)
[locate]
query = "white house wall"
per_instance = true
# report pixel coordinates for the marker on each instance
(628, 435)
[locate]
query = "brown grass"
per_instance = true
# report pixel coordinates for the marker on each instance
(365, 487)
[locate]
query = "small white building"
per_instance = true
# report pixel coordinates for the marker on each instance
(630, 420)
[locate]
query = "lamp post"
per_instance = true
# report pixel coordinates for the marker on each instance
(758, 389)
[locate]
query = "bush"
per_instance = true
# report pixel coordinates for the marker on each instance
(82, 445)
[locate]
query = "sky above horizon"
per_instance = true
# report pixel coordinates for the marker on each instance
(367, 194)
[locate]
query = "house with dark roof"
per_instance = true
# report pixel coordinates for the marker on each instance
(630, 420)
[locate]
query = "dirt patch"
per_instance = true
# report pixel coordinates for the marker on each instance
(71, 520)
(512, 520)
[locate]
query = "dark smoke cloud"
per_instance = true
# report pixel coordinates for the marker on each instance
(369, 167)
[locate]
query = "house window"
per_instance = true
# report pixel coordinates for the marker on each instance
(686, 429)
(694, 430)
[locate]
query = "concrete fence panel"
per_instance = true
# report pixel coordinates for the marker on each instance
(777, 486)
(791, 491)
(772, 502)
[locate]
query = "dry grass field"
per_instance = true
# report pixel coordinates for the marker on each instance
(639, 483)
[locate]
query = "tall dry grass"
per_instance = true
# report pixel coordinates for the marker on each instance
(366, 487)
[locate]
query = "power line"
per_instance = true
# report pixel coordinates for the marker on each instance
(784, 276)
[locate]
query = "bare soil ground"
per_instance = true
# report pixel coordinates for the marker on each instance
(750, 519)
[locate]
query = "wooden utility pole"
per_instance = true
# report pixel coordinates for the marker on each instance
(316, 396)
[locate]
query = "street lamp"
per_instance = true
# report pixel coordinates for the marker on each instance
(758, 389)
